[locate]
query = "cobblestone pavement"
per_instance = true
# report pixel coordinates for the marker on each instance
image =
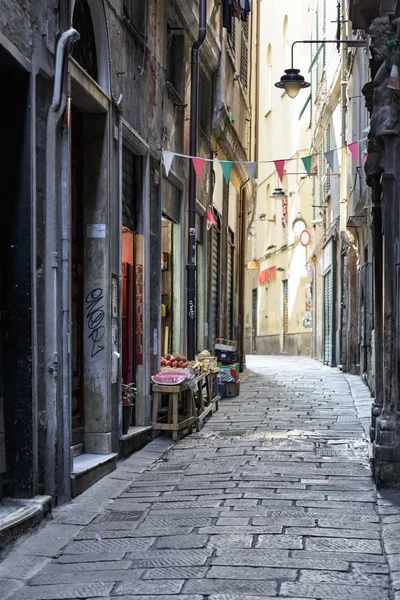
(273, 498)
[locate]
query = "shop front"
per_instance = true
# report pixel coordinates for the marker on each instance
(172, 251)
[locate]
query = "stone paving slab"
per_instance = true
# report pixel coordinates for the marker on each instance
(273, 498)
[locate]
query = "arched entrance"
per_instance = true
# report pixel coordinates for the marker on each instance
(89, 139)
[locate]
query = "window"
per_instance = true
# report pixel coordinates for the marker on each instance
(232, 38)
(328, 147)
(286, 47)
(84, 50)
(205, 102)
(269, 81)
(175, 66)
(136, 12)
(244, 54)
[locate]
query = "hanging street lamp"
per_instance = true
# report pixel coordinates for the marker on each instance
(278, 193)
(292, 82)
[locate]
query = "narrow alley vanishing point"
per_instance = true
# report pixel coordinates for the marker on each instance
(273, 498)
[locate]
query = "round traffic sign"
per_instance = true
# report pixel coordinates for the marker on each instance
(305, 237)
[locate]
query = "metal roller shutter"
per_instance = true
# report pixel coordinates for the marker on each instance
(328, 318)
(215, 285)
(229, 284)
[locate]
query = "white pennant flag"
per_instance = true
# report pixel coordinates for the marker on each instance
(251, 169)
(168, 157)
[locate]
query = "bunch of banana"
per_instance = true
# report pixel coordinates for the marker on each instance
(202, 361)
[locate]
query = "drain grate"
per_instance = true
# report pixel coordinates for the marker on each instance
(120, 515)
(326, 452)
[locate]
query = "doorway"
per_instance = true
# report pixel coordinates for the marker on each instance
(285, 316)
(77, 282)
(328, 318)
(17, 311)
(254, 320)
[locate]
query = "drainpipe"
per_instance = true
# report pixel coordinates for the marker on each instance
(191, 266)
(52, 334)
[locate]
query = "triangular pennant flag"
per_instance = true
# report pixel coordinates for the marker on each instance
(307, 164)
(330, 159)
(367, 129)
(354, 151)
(198, 164)
(251, 169)
(168, 157)
(365, 156)
(210, 219)
(280, 168)
(226, 167)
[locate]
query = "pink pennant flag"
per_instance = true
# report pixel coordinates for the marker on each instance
(365, 156)
(354, 151)
(198, 164)
(280, 168)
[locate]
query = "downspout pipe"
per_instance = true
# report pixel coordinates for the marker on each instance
(191, 264)
(51, 266)
(70, 36)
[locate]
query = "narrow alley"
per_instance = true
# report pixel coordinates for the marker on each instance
(272, 498)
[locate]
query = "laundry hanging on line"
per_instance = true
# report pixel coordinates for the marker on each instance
(232, 9)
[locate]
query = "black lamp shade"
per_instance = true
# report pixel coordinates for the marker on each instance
(292, 82)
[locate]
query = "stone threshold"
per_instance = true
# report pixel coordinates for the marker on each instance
(134, 432)
(18, 515)
(134, 440)
(90, 468)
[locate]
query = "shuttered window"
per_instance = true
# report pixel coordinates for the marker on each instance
(244, 54)
(232, 37)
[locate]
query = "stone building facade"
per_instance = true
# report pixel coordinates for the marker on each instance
(96, 90)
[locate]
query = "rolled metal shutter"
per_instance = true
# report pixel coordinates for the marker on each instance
(328, 318)
(229, 283)
(215, 286)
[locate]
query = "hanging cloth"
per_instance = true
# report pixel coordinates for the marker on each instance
(227, 14)
(244, 9)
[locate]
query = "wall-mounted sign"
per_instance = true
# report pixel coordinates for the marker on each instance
(305, 237)
(267, 275)
(252, 265)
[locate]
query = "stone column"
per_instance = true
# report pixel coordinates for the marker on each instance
(387, 436)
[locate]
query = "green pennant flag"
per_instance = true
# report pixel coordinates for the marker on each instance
(226, 167)
(307, 164)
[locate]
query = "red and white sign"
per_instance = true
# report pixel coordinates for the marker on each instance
(305, 237)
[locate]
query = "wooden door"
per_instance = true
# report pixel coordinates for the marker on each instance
(77, 322)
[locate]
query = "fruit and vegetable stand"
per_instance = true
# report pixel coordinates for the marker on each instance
(192, 395)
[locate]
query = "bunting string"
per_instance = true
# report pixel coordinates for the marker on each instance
(227, 165)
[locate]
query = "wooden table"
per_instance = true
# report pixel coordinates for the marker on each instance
(197, 405)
